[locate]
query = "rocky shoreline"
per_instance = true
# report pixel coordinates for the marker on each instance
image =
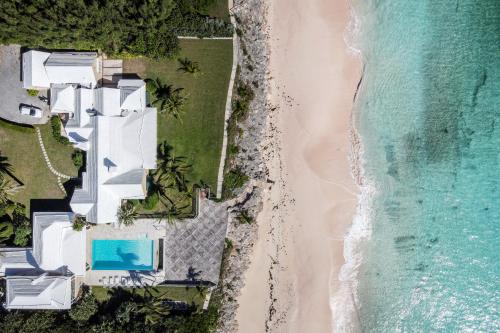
(253, 61)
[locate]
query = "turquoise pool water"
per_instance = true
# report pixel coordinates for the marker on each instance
(128, 255)
(429, 116)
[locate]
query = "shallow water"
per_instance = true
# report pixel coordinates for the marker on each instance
(429, 116)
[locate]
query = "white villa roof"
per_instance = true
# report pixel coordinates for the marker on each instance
(34, 74)
(63, 98)
(108, 101)
(42, 292)
(72, 67)
(132, 94)
(56, 244)
(121, 147)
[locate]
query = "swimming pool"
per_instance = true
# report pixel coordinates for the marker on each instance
(127, 255)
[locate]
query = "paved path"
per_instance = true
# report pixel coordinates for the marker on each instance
(220, 176)
(58, 174)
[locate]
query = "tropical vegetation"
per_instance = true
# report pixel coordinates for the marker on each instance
(169, 194)
(147, 28)
(56, 125)
(198, 137)
(126, 213)
(167, 99)
(124, 310)
(188, 66)
(234, 177)
(79, 222)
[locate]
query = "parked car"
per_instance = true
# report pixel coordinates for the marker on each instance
(29, 110)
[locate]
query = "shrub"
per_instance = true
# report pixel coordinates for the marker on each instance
(77, 158)
(244, 217)
(55, 123)
(23, 233)
(6, 231)
(79, 222)
(32, 92)
(233, 180)
(151, 201)
(126, 214)
(85, 309)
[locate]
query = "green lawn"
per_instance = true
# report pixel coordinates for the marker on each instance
(219, 9)
(199, 136)
(188, 295)
(20, 146)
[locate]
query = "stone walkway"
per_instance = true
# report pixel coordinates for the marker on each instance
(227, 114)
(58, 174)
(193, 247)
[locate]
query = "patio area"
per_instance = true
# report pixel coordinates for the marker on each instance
(185, 252)
(13, 94)
(141, 229)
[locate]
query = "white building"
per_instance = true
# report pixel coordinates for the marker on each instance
(43, 277)
(112, 124)
(118, 132)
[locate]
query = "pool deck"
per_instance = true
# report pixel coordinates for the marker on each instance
(143, 228)
(192, 248)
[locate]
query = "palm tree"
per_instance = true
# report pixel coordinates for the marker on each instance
(6, 231)
(173, 212)
(154, 310)
(5, 167)
(7, 189)
(126, 214)
(171, 169)
(166, 98)
(188, 66)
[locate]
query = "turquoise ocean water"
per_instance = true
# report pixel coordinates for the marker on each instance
(428, 112)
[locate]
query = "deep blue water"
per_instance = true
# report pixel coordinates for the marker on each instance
(429, 115)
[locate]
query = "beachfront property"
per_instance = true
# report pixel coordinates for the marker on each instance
(112, 123)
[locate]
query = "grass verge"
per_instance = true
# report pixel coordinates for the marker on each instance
(189, 295)
(198, 137)
(20, 145)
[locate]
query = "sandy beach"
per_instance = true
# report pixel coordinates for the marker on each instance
(312, 196)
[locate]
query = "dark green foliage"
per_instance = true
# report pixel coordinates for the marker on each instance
(244, 217)
(126, 213)
(84, 309)
(28, 322)
(55, 123)
(194, 24)
(79, 222)
(168, 100)
(77, 158)
(188, 66)
(112, 26)
(6, 231)
(116, 27)
(22, 233)
(233, 180)
(242, 97)
(192, 6)
(151, 201)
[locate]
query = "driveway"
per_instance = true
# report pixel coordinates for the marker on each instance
(12, 93)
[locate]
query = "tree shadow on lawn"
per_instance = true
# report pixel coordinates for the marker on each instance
(55, 205)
